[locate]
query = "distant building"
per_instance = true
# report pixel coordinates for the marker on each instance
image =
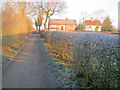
(92, 25)
(62, 24)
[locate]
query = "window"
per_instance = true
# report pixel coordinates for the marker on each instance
(53, 26)
(72, 26)
(89, 27)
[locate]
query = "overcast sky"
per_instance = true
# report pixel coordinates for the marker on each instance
(77, 9)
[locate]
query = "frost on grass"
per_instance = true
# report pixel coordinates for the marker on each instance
(92, 56)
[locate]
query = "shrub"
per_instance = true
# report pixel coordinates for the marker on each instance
(16, 26)
(93, 56)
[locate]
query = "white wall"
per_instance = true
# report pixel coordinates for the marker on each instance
(93, 28)
(87, 28)
(99, 28)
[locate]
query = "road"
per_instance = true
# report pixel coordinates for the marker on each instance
(28, 69)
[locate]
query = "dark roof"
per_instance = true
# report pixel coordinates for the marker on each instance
(95, 22)
(62, 22)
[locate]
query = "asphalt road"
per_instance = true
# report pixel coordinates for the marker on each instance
(28, 69)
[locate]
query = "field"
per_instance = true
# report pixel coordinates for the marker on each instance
(84, 59)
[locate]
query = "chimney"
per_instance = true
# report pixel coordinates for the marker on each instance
(66, 18)
(92, 19)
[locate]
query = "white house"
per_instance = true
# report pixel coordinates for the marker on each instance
(92, 25)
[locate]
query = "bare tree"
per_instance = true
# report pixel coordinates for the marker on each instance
(51, 7)
(24, 8)
(40, 9)
(15, 19)
(40, 20)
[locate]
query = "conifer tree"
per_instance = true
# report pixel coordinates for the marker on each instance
(107, 24)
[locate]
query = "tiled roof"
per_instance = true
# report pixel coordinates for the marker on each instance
(95, 22)
(62, 22)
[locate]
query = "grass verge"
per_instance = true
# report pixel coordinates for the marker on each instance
(60, 70)
(11, 45)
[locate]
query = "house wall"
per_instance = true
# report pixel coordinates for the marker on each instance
(91, 28)
(65, 27)
(88, 28)
(99, 28)
(71, 27)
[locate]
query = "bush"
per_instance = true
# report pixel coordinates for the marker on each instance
(93, 56)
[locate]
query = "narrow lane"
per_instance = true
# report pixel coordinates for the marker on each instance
(28, 70)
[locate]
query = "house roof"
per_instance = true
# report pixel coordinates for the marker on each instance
(62, 22)
(95, 22)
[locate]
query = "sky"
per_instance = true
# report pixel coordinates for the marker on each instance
(77, 9)
(100, 9)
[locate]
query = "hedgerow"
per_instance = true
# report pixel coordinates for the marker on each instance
(93, 56)
(16, 26)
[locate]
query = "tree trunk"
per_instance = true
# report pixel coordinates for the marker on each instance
(39, 28)
(45, 28)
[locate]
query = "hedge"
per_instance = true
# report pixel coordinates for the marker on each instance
(92, 55)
